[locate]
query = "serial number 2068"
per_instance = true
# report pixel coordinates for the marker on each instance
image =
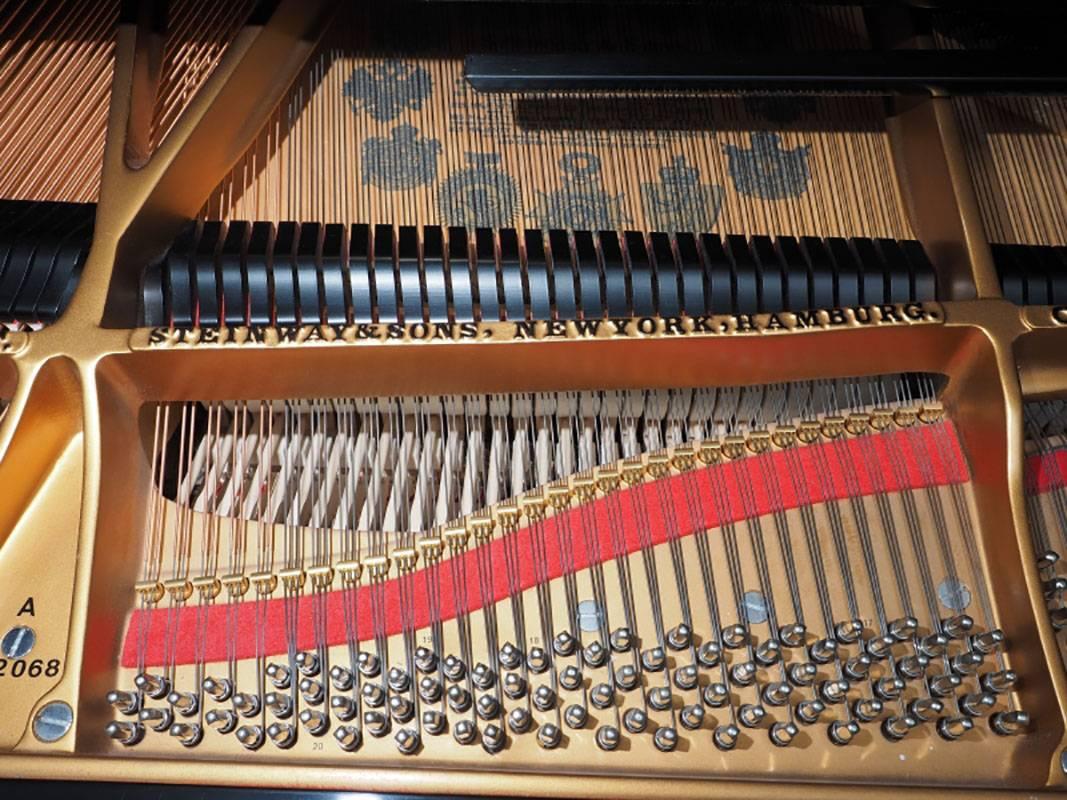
(29, 669)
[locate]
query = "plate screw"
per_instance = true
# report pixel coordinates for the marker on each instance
(52, 722)
(17, 642)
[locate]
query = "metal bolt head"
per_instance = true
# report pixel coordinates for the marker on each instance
(52, 721)
(18, 642)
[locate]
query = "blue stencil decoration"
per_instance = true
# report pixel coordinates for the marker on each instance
(481, 195)
(388, 88)
(680, 202)
(767, 170)
(580, 203)
(403, 160)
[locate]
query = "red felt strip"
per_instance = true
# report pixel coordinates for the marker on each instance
(1046, 472)
(928, 455)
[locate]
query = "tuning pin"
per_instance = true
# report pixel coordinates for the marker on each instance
(185, 703)
(751, 715)
(519, 720)
(515, 685)
(282, 734)
(544, 698)
(454, 669)
(510, 656)
(660, 698)
(809, 711)
(823, 651)
(735, 636)
(768, 652)
(464, 731)
(880, 647)
(966, 663)
(155, 686)
(635, 720)
(898, 726)
(594, 654)
(654, 659)
(716, 694)
(933, 645)
(665, 739)
(487, 707)
(858, 667)
(369, 665)
(348, 738)
(1058, 618)
(220, 689)
(127, 733)
(425, 660)
(407, 741)
(376, 723)
(1048, 559)
(867, 709)
(626, 677)
(709, 654)
(692, 716)
(743, 673)
(988, 642)
(833, 692)
(576, 716)
(926, 709)
(1054, 587)
(401, 709)
(459, 699)
(123, 702)
(278, 674)
(952, 728)
(564, 644)
(1010, 723)
(316, 722)
(621, 640)
(602, 695)
(841, 732)
(944, 685)
(903, 628)
(848, 631)
(373, 695)
(958, 626)
(889, 687)
(398, 680)
(537, 660)
(158, 719)
(783, 733)
(341, 678)
(281, 705)
(343, 707)
(793, 634)
(777, 693)
(607, 737)
(802, 673)
(493, 738)
(686, 677)
(549, 736)
(250, 736)
(913, 667)
(1000, 681)
(679, 637)
(571, 678)
(429, 689)
(307, 663)
(312, 691)
(433, 722)
(978, 704)
(221, 719)
(726, 736)
(247, 705)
